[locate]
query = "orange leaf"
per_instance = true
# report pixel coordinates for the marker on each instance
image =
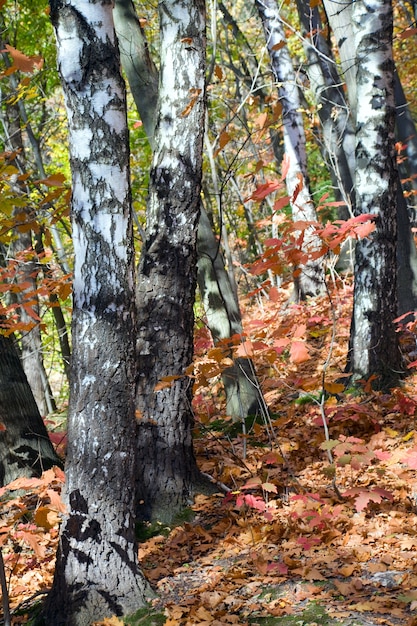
(408, 32)
(23, 62)
(166, 381)
(54, 180)
(299, 352)
(245, 349)
(300, 331)
(334, 388)
(274, 294)
(363, 230)
(265, 189)
(278, 46)
(34, 542)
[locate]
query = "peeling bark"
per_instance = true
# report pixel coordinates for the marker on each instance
(97, 573)
(374, 343)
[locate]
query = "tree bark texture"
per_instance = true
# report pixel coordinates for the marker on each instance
(374, 344)
(97, 573)
(310, 280)
(339, 15)
(25, 448)
(167, 272)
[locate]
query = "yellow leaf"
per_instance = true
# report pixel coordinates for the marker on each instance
(390, 432)
(46, 518)
(409, 435)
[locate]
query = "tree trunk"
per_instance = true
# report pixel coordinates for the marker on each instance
(374, 343)
(406, 133)
(25, 448)
(309, 280)
(243, 394)
(97, 573)
(167, 271)
(332, 107)
(341, 22)
(339, 15)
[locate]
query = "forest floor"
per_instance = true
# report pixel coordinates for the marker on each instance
(320, 523)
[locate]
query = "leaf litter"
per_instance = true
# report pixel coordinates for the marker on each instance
(302, 520)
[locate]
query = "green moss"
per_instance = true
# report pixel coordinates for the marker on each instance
(145, 617)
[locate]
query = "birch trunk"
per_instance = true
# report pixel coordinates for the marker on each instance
(374, 343)
(310, 280)
(167, 473)
(97, 573)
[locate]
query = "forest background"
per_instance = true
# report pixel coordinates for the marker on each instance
(313, 471)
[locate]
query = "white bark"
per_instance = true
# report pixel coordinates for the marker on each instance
(374, 343)
(97, 572)
(311, 279)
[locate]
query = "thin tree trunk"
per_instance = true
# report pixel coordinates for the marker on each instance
(332, 107)
(24, 254)
(97, 573)
(309, 279)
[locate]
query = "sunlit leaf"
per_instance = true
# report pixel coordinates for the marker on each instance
(299, 352)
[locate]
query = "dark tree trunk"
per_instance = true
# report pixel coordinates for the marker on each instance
(25, 448)
(97, 573)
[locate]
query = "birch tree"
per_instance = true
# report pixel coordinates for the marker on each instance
(168, 474)
(97, 573)
(374, 343)
(310, 281)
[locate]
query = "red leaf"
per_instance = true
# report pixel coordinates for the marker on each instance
(23, 62)
(307, 542)
(299, 352)
(364, 230)
(255, 502)
(264, 190)
(363, 496)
